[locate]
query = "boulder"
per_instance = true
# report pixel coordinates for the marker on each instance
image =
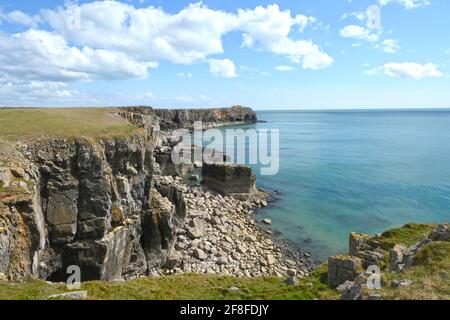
(342, 268)
(397, 256)
(229, 179)
(354, 292)
(200, 254)
(75, 295)
(441, 233)
(358, 242)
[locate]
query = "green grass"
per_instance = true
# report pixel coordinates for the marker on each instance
(19, 123)
(430, 275)
(179, 287)
(407, 235)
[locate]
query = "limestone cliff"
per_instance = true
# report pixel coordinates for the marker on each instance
(91, 202)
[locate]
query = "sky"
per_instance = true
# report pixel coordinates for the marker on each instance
(303, 54)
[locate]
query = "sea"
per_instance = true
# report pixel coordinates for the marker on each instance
(360, 170)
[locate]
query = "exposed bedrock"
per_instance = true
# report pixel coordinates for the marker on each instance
(94, 202)
(185, 118)
(229, 179)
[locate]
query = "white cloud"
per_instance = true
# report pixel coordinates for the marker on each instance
(41, 55)
(407, 70)
(390, 46)
(284, 68)
(357, 32)
(19, 17)
(268, 28)
(115, 40)
(190, 35)
(408, 4)
(146, 34)
(224, 68)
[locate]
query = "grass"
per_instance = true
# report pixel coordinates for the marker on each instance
(179, 287)
(407, 235)
(18, 123)
(430, 275)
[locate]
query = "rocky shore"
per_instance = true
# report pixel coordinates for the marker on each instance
(221, 235)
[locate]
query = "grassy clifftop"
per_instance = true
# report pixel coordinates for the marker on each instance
(430, 280)
(18, 123)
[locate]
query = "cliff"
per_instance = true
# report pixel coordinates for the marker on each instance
(77, 188)
(185, 118)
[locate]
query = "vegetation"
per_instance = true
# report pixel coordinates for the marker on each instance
(430, 275)
(77, 122)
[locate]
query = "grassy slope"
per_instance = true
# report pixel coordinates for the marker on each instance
(78, 122)
(431, 280)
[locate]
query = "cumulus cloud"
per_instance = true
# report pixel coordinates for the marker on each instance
(357, 32)
(408, 4)
(224, 68)
(407, 70)
(116, 40)
(268, 28)
(41, 55)
(190, 35)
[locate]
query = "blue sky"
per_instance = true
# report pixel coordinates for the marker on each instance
(304, 54)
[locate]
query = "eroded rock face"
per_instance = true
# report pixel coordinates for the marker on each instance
(184, 118)
(342, 268)
(229, 179)
(94, 203)
(87, 203)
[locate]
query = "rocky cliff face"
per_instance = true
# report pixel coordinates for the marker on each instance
(173, 119)
(92, 202)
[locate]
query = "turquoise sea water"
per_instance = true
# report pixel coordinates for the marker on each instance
(364, 171)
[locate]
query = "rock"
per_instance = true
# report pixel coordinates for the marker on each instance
(374, 296)
(267, 221)
(355, 292)
(372, 258)
(241, 249)
(397, 254)
(18, 172)
(270, 259)
(291, 281)
(395, 283)
(441, 233)
(200, 254)
(5, 177)
(416, 247)
(3, 277)
(194, 177)
(229, 179)
(405, 283)
(233, 289)
(75, 295)
(357, 242)
(342, 268)
(345, 286)
(194, 232)
(291, 272)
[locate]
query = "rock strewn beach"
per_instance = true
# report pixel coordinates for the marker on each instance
(222, 235)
